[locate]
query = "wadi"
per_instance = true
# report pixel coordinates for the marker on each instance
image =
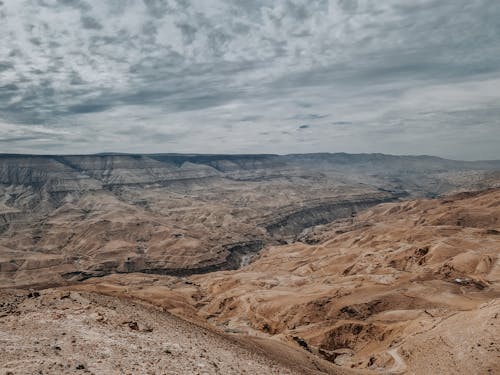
(228, 264)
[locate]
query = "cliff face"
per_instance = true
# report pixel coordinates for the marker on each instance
(93, 172)
(76, 217)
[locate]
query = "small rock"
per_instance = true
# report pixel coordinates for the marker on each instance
(133, 326)
(33, 294)
(65, 295)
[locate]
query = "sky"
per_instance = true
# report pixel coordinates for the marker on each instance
(251, 76)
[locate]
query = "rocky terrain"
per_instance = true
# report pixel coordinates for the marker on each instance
(62, 332)
(409, 287)
(314, 263)
(76, 217)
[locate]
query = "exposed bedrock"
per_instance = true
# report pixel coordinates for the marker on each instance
(237, 255)
(290, 225)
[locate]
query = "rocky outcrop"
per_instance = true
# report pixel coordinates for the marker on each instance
(290, 223)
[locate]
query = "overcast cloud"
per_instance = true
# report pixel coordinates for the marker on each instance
(251, 76)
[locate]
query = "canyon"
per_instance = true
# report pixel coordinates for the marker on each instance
(322, 263)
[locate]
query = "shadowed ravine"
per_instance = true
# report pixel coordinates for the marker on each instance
(285, 229)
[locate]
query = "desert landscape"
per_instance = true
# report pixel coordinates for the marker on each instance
(222, 264)
(225, 187)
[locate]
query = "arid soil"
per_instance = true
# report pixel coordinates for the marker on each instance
(63, 332)
(404, 287)
(320, 263)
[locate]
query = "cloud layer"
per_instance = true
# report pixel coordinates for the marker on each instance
(238, 76)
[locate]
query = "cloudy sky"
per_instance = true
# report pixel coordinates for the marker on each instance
(251, 76)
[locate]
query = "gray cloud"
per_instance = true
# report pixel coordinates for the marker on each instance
(87, 108)
(90, 23)
(237, 76)
(309, 116)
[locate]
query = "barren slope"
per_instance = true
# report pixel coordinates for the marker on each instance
(409, 286)
(386, 289)
(62, 332)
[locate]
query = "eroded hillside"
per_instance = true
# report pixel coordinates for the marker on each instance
(411, 286)
(64, 219)
(324, 263)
